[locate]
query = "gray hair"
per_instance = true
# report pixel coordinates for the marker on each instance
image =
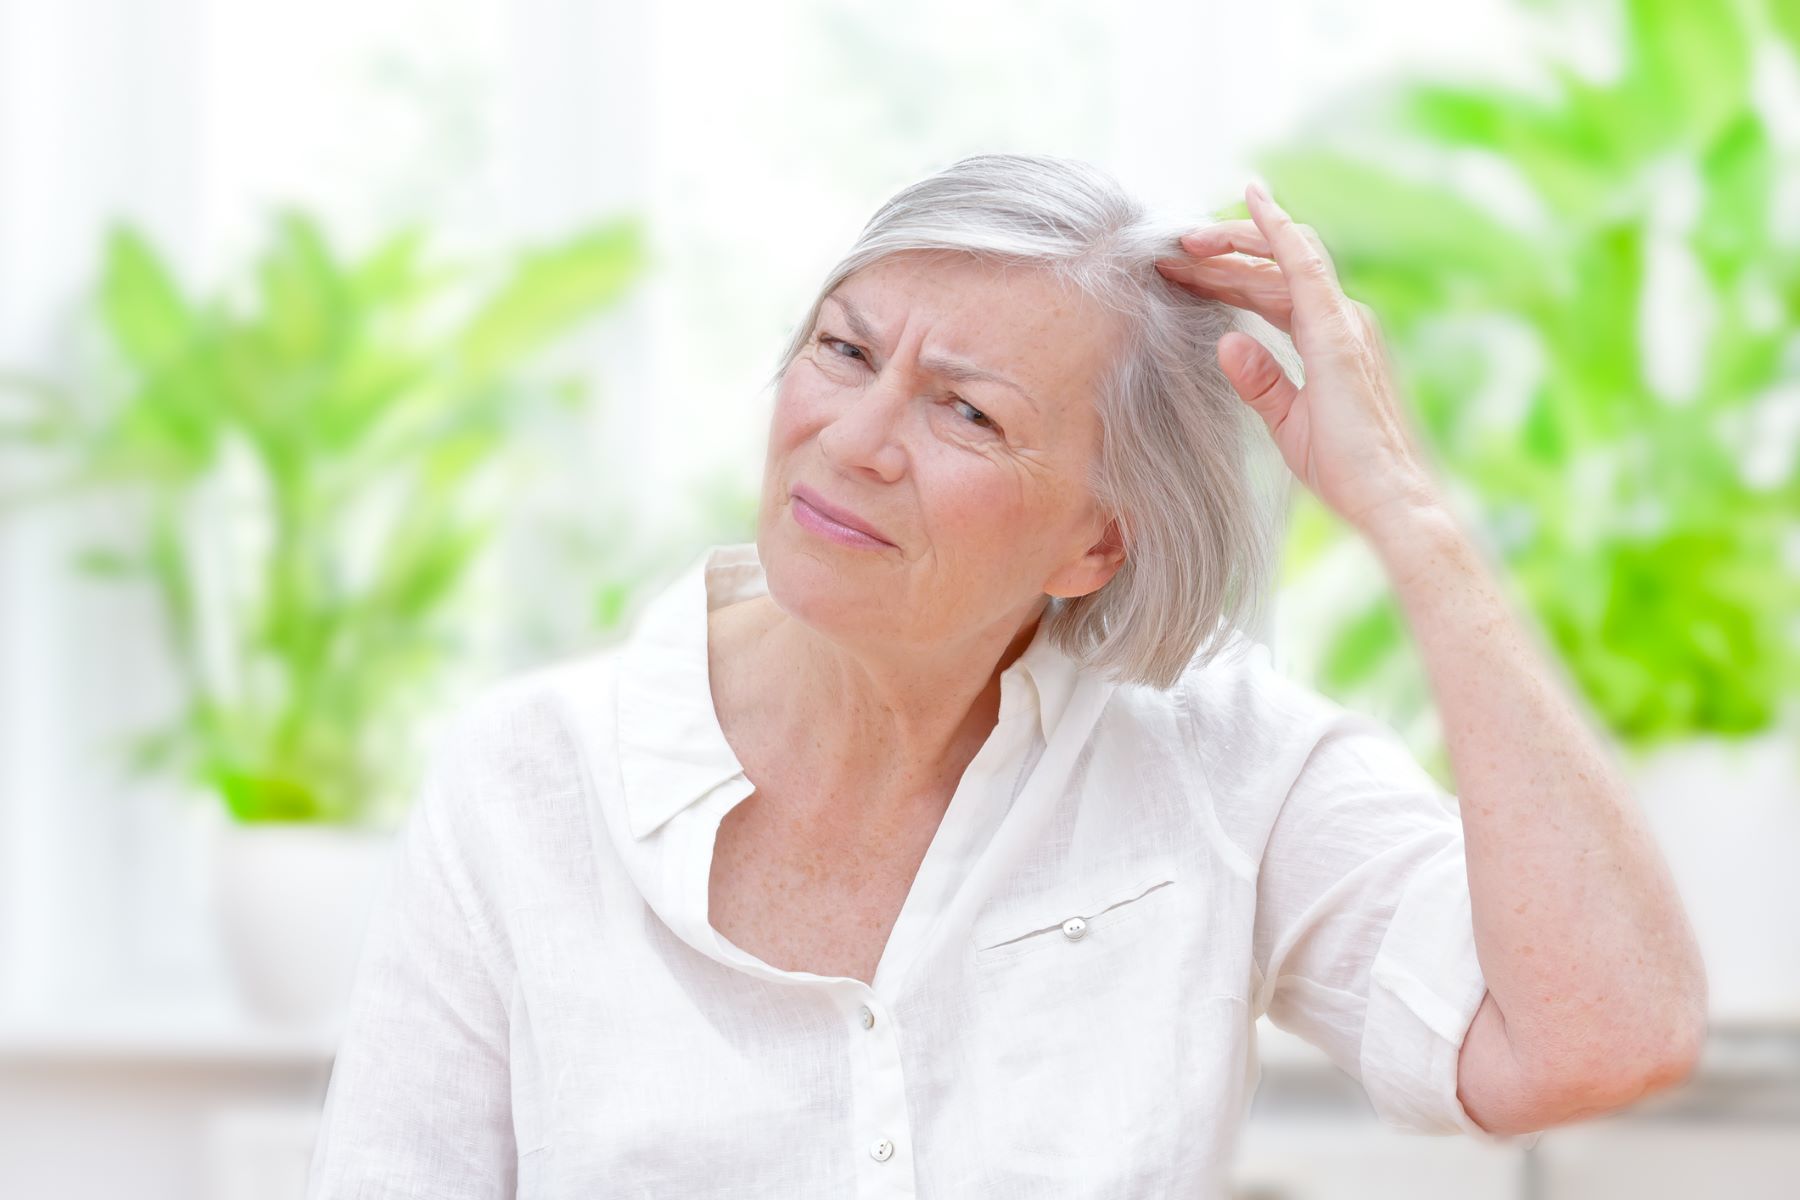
(1185, 465)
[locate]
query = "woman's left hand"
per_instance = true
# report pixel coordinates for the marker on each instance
(1344, 433)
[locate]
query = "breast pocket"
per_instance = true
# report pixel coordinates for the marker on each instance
(1090, 924)
(1078, 1021)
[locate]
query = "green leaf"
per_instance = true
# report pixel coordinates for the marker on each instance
(391, 275)
(552, 290)
(252, 796)
(372, 386)
(1740, 362)
(612, 599)
(169, 429)
(1737, 173)
(143, 308)
(1362, 644)
(1659, 575)
(307, 303)
(167, 560)
(1688, 66)
(1561, 149)
(1597, 346)
(341, 384)
(435, 567)
(1784, 15)
(1368, 214)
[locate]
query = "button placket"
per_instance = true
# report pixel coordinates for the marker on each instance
(878, 1110)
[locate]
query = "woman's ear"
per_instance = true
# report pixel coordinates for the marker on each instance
(1111, 546)
(1093, 569)
(1109, 551)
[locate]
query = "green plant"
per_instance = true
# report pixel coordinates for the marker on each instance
(1628, 519)
(343, 441)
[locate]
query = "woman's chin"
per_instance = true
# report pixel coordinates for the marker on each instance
(813, 587)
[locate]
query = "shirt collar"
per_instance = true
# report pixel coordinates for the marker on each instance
(672, 750)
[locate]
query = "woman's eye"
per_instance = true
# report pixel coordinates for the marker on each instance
(979, 416)
(854, 352)
(827, 339)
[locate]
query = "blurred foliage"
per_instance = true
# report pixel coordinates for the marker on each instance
(350, 433)
(1652, 559)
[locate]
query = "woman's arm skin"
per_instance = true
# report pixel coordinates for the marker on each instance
(1596, 988)
(1596, 991)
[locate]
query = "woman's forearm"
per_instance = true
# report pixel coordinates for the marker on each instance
(1581, 935)
(1578, 928)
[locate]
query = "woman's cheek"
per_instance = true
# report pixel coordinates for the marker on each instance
(803, 404)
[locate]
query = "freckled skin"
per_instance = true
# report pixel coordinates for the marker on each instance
(858, 690)
(1581, 933)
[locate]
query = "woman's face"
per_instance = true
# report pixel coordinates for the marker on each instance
(948, 404)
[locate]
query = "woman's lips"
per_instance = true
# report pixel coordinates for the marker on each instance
(812, 511)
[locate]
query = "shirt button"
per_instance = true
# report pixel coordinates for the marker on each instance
(1074, 927)
(882, 1151)
(868, 1017)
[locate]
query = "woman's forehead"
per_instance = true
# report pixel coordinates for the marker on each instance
(1023, 325)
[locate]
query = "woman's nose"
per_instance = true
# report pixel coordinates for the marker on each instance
(863, 432)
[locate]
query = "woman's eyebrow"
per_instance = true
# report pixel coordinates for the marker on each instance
(959, 369)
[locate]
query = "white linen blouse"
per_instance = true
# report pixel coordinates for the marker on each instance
(1124, 879)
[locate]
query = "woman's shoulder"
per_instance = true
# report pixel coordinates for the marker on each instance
(1237, 721)
(508, 773)
(529, 728)
(1238, 690)
(1259, 732)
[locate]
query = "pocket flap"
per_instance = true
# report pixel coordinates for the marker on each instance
(1025, 925)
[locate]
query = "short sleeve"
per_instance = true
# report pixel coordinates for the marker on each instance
(419, 1101)
(1364, 937)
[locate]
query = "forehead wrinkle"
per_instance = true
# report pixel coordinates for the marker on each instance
(959, 369)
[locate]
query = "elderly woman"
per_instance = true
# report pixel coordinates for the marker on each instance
(949, 839)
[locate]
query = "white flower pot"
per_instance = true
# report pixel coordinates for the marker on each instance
(1726, 816)
(292, 902)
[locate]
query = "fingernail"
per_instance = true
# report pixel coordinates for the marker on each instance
(1261, 189)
